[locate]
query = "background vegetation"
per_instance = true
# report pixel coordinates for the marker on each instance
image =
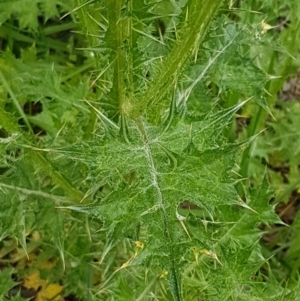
(149, 150)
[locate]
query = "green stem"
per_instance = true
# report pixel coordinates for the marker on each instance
(199, 15)
(118, 39)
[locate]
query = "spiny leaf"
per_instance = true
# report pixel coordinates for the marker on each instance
(27, 11)
(6, 281)
(182, 163)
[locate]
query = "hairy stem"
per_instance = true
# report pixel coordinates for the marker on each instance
(199, 15)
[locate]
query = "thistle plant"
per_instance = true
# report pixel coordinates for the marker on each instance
(128, 144)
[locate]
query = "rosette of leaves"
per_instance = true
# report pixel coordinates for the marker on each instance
(149, 154)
